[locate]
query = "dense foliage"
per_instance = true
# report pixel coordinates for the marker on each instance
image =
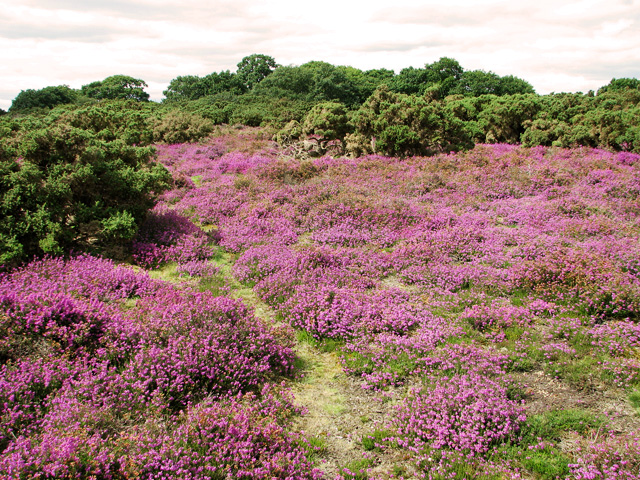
(78, 179)
(448, 107)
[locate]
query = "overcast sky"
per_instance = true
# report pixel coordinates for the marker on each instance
(556, 45)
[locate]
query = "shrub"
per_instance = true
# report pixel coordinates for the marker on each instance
(181, 127)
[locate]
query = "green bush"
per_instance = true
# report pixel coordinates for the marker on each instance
(400, 125)
(181, 127)
(65, 188)
(327, 120)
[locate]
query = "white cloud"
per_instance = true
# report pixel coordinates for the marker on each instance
(555, 45)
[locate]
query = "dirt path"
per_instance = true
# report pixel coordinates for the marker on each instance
(339, 411)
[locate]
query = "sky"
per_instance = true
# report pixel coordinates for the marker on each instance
(556, 45)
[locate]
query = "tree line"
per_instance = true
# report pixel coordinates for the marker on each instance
(439, 107)
(77, 166)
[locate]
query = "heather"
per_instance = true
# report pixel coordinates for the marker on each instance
(463, 295)
(107, 372)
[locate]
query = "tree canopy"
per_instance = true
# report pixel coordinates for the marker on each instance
(117, 87)
(47, 97)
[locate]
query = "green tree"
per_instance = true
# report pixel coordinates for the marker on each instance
(510, 85)
(617, 84)
(410, 80)
(187, 87)
(224, 81)
(287, 81)
(47, 97)
(313, 81)
(192, 87)
(445, 74)
(117, 87)
(255, 68)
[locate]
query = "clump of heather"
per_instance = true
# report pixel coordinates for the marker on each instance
(197, 268)
(91, 352)
(255, 228)
(166, 236)
(261, 261)
(611, 457)
(342, 312)
(243, 436)
(388, 360)
(240, 437)
(83, 276)
(469, 413)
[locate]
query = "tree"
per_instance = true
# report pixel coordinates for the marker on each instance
(510, 85)
(477, 82)
(330, 83)
(192, 87)
(313, 81)
(224, 81)
(445, 74)
(617, 84)
(410, 80)
(117, 87)
(255, 68)
(288, 81)
(187, 87)
(47, 97)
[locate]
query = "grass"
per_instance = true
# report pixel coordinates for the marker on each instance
(374, 440)
(168, 272)
(314, 447)
(538, 451)
(577, 372)
(215, 284)
(323, 344)
(634, 398)
(357, 469)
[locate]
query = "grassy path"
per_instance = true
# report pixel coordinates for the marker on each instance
(339, 411)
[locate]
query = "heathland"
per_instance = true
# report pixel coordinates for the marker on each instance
(417, 285)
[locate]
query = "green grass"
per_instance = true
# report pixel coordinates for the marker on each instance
(215, 284)
(546, 461)
(167, 272)
(634, 398)
(323, 344)
(577, 372)
(357, 469)
(457, 467)
(314, 447)
(371, 442)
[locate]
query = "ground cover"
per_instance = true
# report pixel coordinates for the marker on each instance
(472, 315)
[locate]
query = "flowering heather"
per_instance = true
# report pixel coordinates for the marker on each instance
(463, 412)
(92, 352)
(451, 272)
(197, 268)
(166, 236)
(612, 457)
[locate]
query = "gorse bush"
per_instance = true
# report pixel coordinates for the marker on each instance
(399, 125)
(75, 180)
(181, 127)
